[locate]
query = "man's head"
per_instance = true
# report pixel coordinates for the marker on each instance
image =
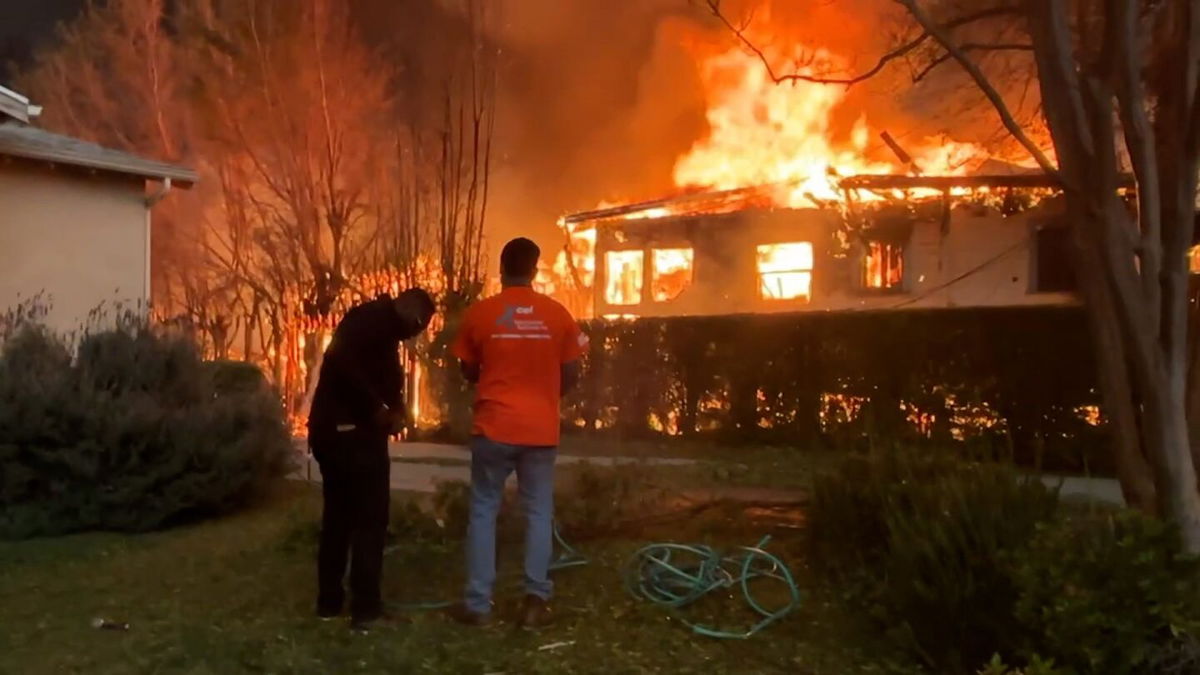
(416, 308)
(518, 262)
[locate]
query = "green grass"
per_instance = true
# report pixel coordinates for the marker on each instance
(236, 595)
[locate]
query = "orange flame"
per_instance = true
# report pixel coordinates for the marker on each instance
(766, 133)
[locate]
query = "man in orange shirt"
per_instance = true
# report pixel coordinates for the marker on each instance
(522, 350)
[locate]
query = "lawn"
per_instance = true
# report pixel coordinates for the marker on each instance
(235, 596)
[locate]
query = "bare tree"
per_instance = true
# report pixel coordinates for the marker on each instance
(1114, 76)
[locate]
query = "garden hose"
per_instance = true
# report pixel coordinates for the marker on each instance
(674, 576)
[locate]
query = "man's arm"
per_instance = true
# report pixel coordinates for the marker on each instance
(570, 377)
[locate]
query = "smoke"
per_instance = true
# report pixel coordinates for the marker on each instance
(597, 99)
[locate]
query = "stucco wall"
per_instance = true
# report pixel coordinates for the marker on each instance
(79, 238)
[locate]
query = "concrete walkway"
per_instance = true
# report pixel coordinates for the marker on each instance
(451, 463)
(411, 474)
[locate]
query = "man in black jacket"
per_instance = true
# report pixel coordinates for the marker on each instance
(357, 405)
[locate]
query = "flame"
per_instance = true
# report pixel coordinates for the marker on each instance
(624, 270)
(773, 145)
(672, 269)
(785, 271)
(883, 265)
(766, 133)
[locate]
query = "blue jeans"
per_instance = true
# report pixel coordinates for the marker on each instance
(491, 464)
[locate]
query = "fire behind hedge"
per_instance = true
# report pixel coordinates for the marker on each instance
(132, 431)
(1018, 381)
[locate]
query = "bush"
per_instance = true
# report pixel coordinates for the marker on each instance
(922, 540)
(1111, 594)
(1037, 666)
(236, 377)
(596, 500)
(129, 432)
(951, 587)
(847, 520)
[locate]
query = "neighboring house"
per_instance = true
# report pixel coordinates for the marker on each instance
(74, 218)
(734, 253)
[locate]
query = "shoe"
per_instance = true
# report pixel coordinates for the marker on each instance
(536, 613)
(466, 617)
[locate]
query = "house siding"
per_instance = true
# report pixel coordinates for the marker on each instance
(79, 239)
(978, 259)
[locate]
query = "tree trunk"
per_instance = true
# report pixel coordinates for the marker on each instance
(1166, 422)
(1133, 469)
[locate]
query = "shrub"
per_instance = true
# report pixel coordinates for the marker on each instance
(950, 592)
(921, 541)
(236, 377)
(1112, 594)
(847, 519)
(129, 432)
(596, 500)
(1037, 666)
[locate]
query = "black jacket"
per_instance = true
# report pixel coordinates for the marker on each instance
(361, 370)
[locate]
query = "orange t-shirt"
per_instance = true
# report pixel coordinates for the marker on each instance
(520, 339)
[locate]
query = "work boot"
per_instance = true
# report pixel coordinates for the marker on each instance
(466, 617)
(536, 613)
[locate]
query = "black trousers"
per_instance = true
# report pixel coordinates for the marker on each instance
(355, 480)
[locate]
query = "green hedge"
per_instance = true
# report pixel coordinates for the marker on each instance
(762, 378)
(969, 564)
(132, 431)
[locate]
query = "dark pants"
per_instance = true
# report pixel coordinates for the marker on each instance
(355, 473)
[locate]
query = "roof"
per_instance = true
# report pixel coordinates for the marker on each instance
(17, 106)
(1000, 175)
(27, 142)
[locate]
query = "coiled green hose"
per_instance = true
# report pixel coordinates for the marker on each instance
(674, 576)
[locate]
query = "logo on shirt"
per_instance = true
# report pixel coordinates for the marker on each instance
(519, 321)
(509, 318)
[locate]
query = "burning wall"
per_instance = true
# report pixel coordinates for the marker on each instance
(798, 260)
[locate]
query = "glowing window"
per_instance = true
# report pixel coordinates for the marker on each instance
(671, 274)
(624, 269)
(785, 271)
(1194, 260)
(882, 266)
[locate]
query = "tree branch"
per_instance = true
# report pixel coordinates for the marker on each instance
(714, 6)
(971, 47)
(943, 38)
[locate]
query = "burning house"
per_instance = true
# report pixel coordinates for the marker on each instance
(894, 242)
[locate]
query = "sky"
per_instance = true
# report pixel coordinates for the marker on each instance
(24, 24)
